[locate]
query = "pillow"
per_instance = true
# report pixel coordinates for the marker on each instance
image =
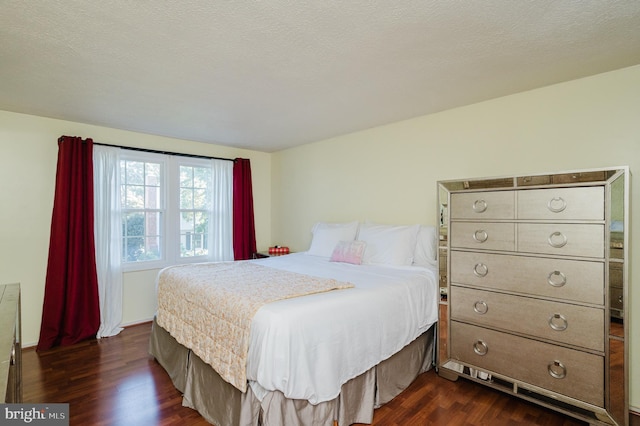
(426, 247)
(327, 235)
(348, 252)
(388, 244)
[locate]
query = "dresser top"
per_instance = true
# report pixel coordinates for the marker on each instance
(543, 180)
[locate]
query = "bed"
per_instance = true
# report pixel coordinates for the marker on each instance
(327, 357)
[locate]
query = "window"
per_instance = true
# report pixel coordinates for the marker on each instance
(142, 201)
(168, 205)
(195, 205)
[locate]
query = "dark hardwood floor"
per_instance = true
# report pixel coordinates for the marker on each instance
(114, 381)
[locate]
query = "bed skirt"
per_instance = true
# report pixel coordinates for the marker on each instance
(223, 405)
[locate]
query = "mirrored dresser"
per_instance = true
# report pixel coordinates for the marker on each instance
(534, 288)
(10, 344)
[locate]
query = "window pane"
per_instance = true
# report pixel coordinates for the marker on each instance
(152, 248)
(137, 249)
(135, 173)
(186, 198)
(152, 197)
(187, 219)
(201, 177)
(194, 201)
(133, 242)
(134, 198)
(186, 246)
(153, 223)
(152, 174)
(200, 199)
(193, 244)
(141, 236)
(187, 232)
(198, 245)
(186, 176)
(193, 236)
(133, 248)
(133, 225)
(201, 222)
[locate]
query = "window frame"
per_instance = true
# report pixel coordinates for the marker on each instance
(162, 160)
(171, 211)
(175, 213)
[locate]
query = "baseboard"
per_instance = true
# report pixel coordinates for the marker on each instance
(32, 345)
(634, 417)
(142, 321)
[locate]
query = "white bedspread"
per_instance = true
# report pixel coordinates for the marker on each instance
(309, 346)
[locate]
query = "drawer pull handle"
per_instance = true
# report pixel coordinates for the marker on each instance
(480, 235)
(480, 206)
(556, 204)
(558, 322)
(480, 348)
(557, 370)
(556, 242)
(554, 282)
(480, 270)
(480, 307)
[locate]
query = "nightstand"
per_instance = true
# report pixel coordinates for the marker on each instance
(264, 254)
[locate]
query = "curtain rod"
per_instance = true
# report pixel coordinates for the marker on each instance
(154, 151)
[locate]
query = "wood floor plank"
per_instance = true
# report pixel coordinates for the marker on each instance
(115, 382)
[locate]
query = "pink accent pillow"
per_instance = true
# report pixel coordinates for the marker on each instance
(348, 252)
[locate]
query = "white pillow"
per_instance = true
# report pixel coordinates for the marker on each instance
(326, 237)
(388, 244)
(426, 247)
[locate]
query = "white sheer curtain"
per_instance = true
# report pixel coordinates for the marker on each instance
(108, 234)
(221, 229)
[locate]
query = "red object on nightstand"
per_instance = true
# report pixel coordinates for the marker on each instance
(277, 250)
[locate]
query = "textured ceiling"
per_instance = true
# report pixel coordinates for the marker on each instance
(272, 74)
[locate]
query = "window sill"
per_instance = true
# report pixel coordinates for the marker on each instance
(146, 266)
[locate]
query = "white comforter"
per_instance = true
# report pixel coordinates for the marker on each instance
(307, 347)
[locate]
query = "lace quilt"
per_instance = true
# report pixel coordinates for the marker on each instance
(208, 307)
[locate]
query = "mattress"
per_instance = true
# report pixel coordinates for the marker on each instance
(308, 347)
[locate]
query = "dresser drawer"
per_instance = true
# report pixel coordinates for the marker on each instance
(561, 322)
(569, 372)
(561, 239)
(575, 280)
(483, 235)
(561, 203)
(483, 205)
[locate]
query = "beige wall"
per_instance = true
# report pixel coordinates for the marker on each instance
(388, 174)
(28, 155)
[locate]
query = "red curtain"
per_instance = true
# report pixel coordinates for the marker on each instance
(244, 232)
(71, 309)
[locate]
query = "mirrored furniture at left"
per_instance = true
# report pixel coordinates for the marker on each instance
(10, 344)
